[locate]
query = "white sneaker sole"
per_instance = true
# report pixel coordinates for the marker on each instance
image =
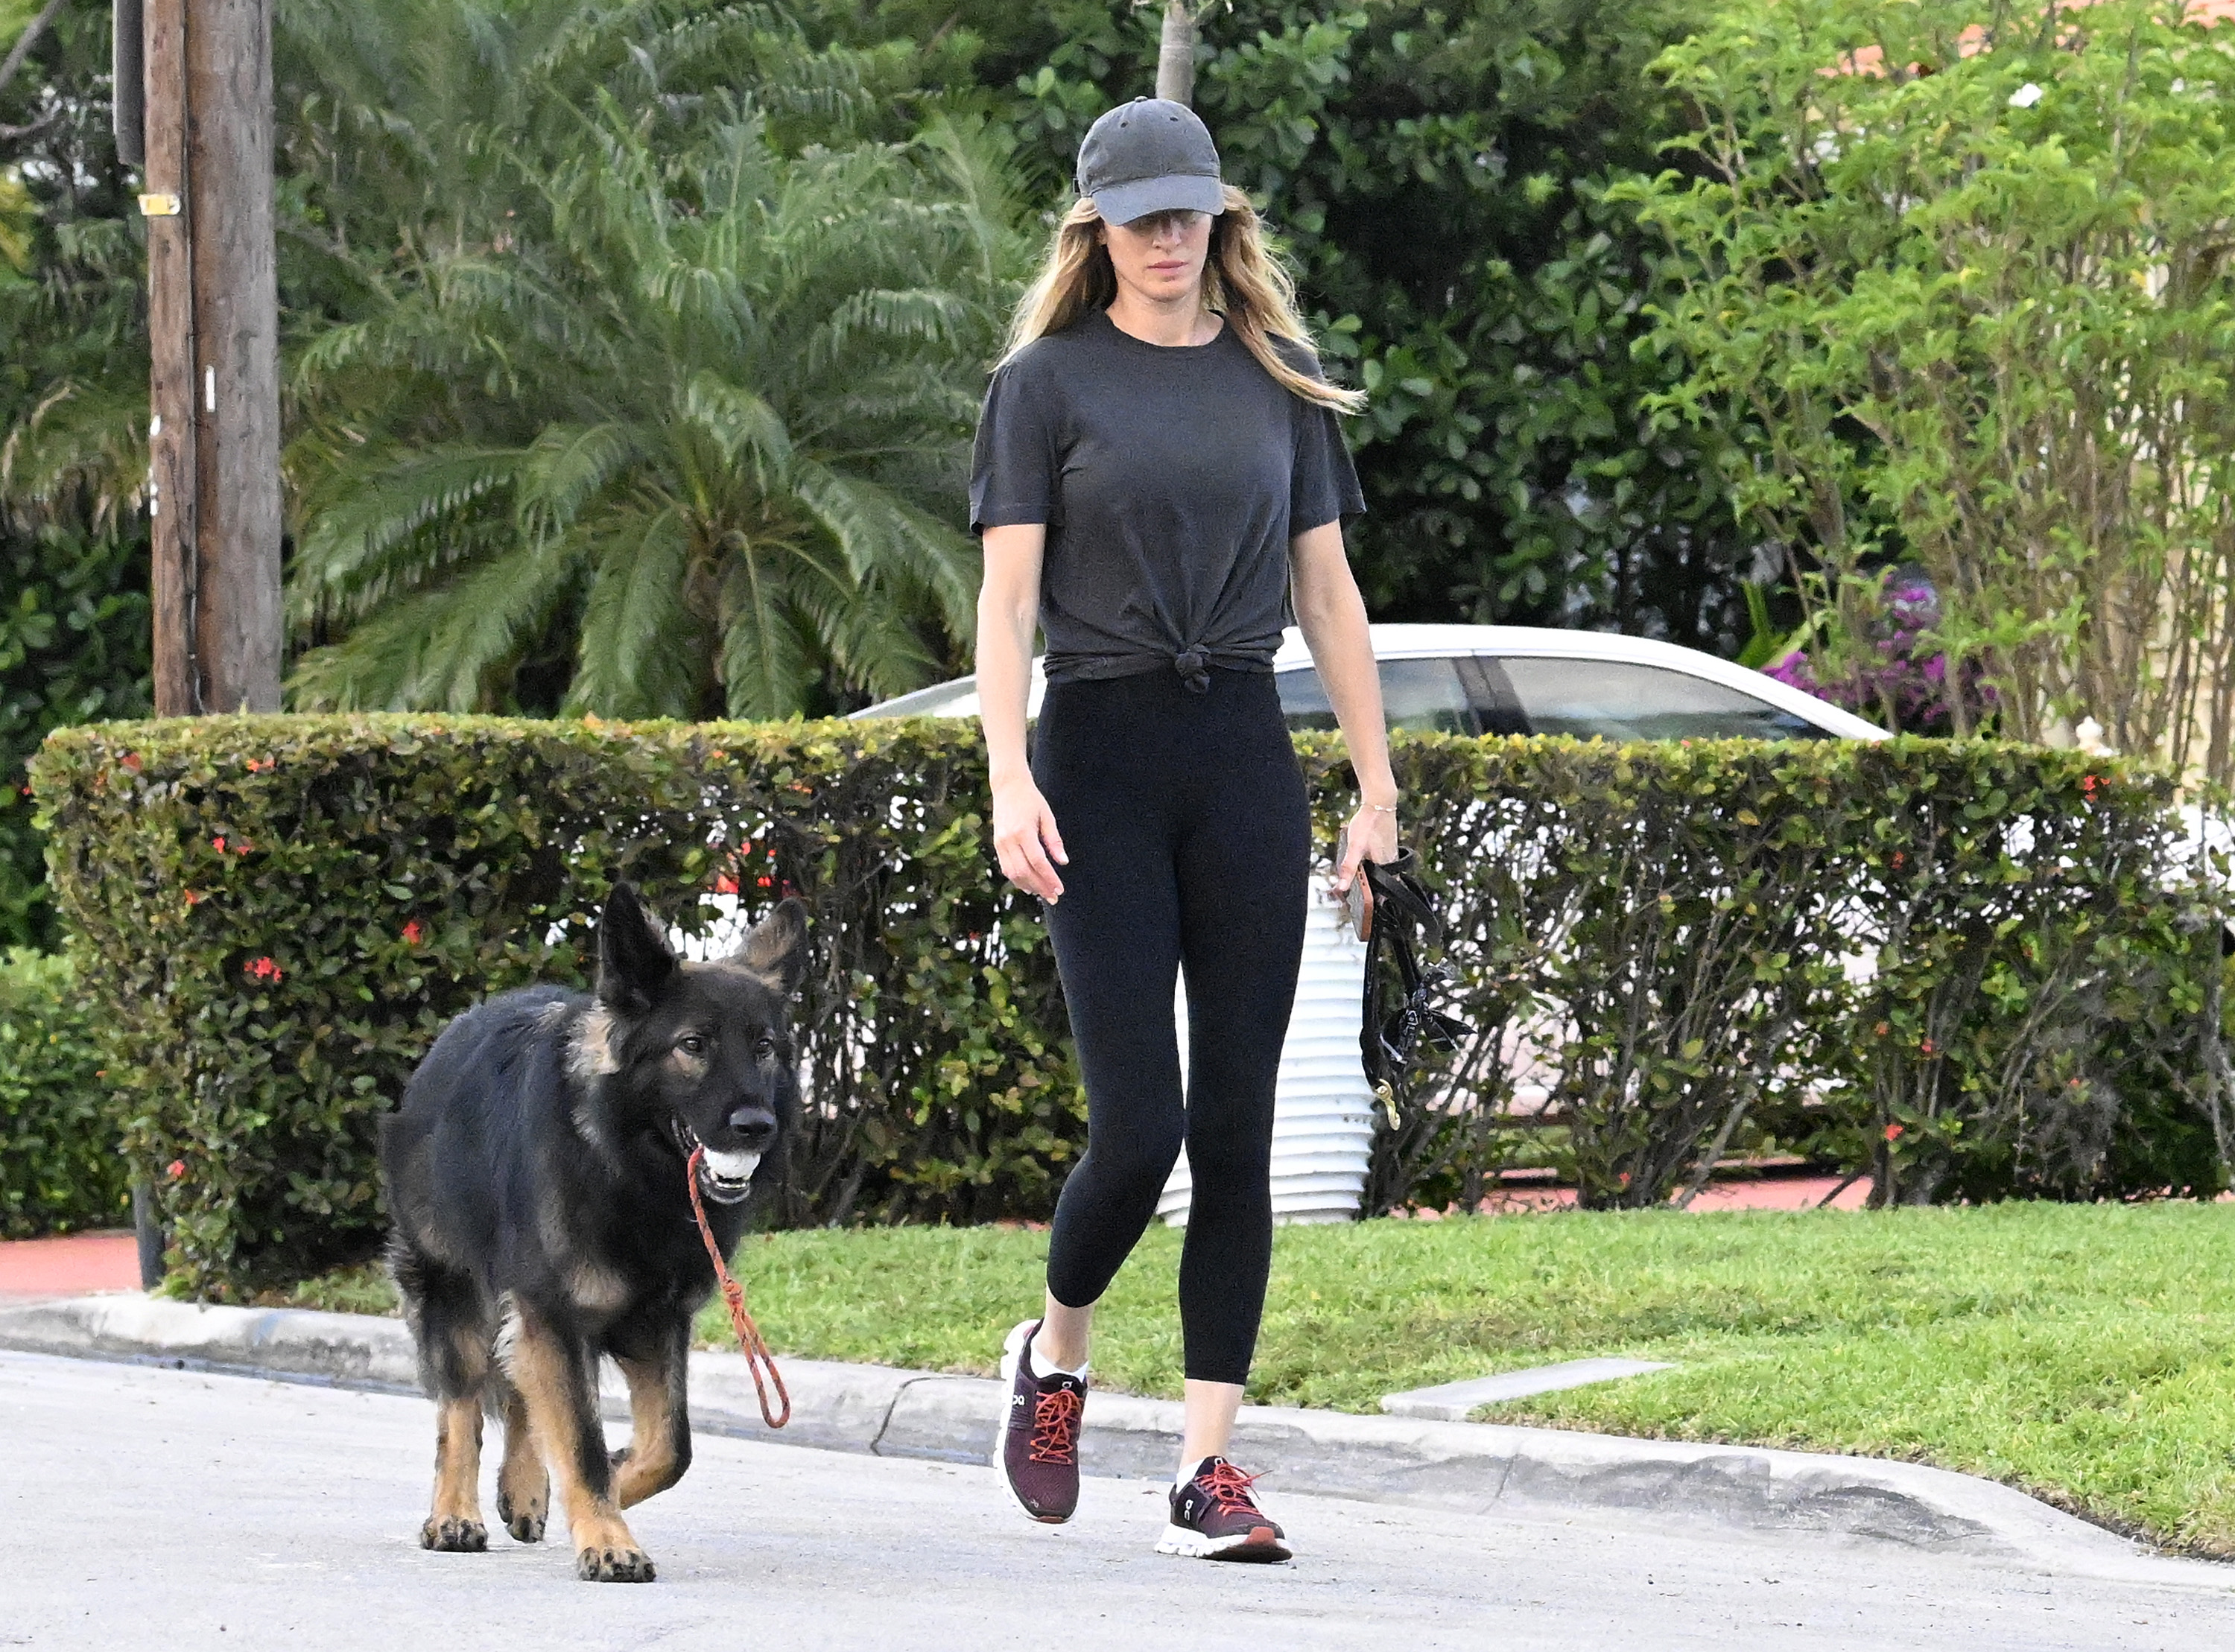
(1191, 1544)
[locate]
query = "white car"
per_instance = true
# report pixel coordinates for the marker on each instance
(1516, 679)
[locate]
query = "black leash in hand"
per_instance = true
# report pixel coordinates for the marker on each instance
(1389, 1037)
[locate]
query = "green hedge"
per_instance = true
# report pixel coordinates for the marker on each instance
(1968, 970)
(281, 912)
(285, 911)
(59, 1166)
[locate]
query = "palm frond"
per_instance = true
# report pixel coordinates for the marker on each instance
(442, 650)
(875, 529)
(565, 467)
(374, 535)
(742, 425)
(768, 668)
(635, 658)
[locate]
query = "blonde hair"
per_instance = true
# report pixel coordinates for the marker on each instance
(1241, 280)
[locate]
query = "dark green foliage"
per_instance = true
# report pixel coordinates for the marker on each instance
(1972, 969)
(1438, 171)
(73, 395)
(59, 1167)
(630, 377)
(72, 649)
(278, 913)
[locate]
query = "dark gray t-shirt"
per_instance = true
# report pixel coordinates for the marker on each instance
(1171, 479)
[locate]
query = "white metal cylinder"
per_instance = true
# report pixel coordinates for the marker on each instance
(1322, 1110)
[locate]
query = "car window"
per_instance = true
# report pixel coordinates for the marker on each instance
(1419, 696)
(1617, 700)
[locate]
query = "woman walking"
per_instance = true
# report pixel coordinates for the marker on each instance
(1157, 469)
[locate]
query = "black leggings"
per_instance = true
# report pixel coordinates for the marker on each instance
(1184, 817)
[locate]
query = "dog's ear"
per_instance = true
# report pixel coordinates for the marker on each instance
(633, 960)
(776, 948)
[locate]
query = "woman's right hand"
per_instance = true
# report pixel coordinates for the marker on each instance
(1025, 838)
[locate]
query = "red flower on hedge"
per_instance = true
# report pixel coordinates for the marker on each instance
(2087, 784)
(1893, 1133)
(175, 1169)
(725, 884)
(217, 844)
(412, 933)
(131, 762)
(1926, 1047)
(264, 969)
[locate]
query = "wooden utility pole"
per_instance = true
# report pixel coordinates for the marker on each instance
(213, 335)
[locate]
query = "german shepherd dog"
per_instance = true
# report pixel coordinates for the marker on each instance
(535, 1175)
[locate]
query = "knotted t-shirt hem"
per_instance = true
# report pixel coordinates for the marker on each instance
(1102, 668)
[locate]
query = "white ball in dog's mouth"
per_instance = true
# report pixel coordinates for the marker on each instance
(727, 1171)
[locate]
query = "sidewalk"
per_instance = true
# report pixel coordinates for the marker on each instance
(1473, 1469)
(74, 1265)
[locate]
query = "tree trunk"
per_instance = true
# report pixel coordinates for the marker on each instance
(1176, 54)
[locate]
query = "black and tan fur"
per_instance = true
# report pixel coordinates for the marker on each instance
(535, 1175)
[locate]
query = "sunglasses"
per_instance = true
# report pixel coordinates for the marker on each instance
(1178, 221)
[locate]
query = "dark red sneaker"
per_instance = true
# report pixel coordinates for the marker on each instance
(1213, 1517)
(1039, 1450)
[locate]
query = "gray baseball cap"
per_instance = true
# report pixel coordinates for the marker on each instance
(1150, 155)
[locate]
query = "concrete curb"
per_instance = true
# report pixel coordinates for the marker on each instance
(1464, 1467)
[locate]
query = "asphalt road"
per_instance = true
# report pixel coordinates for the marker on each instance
(143, 1507)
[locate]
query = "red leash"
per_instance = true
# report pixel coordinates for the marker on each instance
(756, 1347)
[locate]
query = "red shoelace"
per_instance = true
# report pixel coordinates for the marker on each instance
(1055, 1426)
(1229, 1489)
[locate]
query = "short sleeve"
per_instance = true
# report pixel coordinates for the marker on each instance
(1012, 465)
(1322, 483)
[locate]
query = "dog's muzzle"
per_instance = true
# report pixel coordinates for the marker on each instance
(725, 1178)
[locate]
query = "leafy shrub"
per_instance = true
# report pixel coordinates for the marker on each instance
(73, 646)
(59, 1168)
(1968, 968)
(283, 911)
(1893, 671)
(1949, 279)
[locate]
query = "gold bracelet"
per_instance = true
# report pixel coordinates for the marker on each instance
(1382, 809)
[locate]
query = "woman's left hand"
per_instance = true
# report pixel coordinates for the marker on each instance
(1371, 836)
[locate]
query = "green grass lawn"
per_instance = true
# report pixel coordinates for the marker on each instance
(2084, 1353)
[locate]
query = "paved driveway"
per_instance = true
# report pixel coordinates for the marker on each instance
(150, 1507)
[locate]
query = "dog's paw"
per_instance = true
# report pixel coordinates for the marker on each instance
(453, 1535)
(613, 1566)
(524, 1520)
